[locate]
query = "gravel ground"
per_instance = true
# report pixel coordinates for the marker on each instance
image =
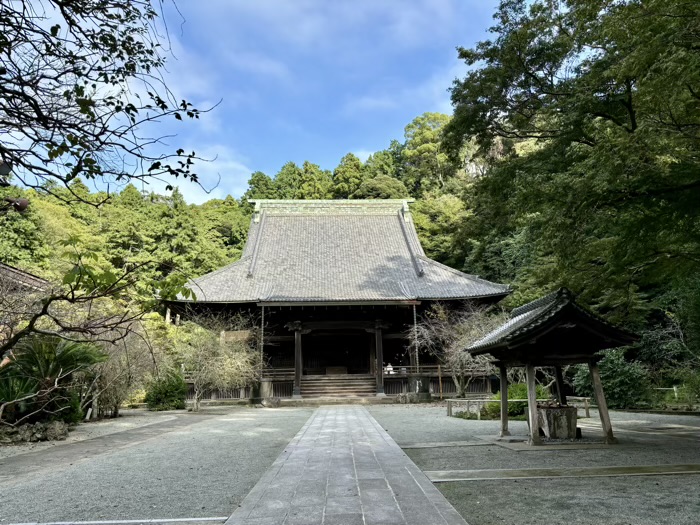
(645, 439)
(188, 466)
(183, 465)
(128, 419)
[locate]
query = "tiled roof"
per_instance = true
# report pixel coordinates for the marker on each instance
(22, 279)
(336, 251)
(526, 320)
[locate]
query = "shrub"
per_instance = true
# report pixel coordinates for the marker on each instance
(167, 392)
(515, 408)
(626, 383)
(689, 391)
(42, 379)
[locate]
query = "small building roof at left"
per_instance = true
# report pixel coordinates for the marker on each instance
(21, 278)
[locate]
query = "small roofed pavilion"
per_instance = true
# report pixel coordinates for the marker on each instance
(552, 331)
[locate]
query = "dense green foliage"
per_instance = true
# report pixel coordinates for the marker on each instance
(515, 408)
(167, 392)
(627, 383)
(583, 117)
(129, 229)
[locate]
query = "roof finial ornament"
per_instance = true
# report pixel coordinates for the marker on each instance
(404, 211)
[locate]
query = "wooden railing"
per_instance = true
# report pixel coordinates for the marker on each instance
(475, 404)
(389, 371)
(426, 370)
(278, 373)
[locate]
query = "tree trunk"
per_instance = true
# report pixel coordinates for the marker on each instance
(198, 394)
(459, 383)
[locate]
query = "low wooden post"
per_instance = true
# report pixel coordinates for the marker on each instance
(560, 385)
(504, 401)
(298, 363)
(532, 406)
(602, 405)
(379, 346)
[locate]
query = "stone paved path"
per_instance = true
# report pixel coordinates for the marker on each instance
(342, 468)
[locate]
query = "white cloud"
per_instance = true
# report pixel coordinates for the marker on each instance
(370, 103)
(429, 95)
(225, 173)
(258, 63)
(363, 154)
(222, 172)
(330, 26)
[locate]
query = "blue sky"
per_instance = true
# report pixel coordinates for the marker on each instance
(310, 79)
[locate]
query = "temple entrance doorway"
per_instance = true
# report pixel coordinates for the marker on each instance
(337, 353)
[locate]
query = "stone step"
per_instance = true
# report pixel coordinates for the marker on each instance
(363, 382)
(340, 389)
(338, 386)
(352, 377)
(331, 388)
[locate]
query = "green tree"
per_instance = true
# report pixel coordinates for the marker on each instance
(380, 163)
(22, 242)
(381, 187)
(314, 183)
(597, 104)
(437, 217)
(288, 181)
(260, 186)
(347, 177)
(427, 165)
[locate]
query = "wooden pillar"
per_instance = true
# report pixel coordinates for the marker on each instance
(379, 349)
(372, 355)
(298, 363)
(532, 406)
(602, 405)
(560, 385)
(504, 401)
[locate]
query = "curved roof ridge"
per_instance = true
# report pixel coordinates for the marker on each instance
(420, 271)
(541, 301)
(530, 316)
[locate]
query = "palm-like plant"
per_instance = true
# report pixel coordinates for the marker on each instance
(38, 379)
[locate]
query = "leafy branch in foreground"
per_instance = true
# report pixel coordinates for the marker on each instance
(80, 89)
(90, 303)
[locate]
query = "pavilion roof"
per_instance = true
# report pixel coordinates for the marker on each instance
(553, 329)
(333, 251)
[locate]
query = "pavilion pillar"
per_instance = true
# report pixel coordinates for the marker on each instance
(532, 405)
(298, 362)
(504, 401)
(602, 405)
(379, 351)
(560, 385)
